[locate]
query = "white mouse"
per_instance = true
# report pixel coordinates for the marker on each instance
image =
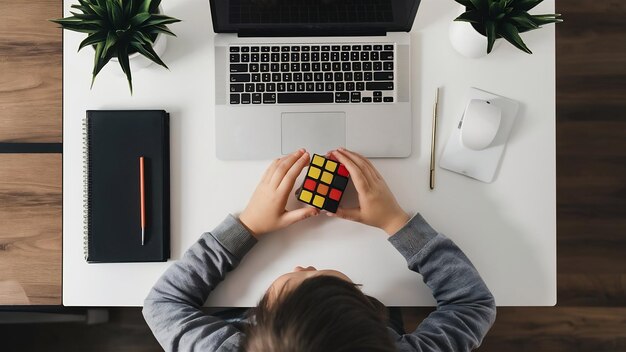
(480, 124)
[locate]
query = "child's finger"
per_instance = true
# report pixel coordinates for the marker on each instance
(352, 214)
(363, 162)
(359, 179)
(290, 178)
(293, 216)
(267, 175)
(283, 166)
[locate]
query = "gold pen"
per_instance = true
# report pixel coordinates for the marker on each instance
(433, 142)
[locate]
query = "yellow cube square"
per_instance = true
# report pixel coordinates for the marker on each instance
(306, 196)
(327, 177)
(318, 201)
(331, 166)
(318, 160)
(314, 172)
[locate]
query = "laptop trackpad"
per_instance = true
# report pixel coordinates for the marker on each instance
(318, 132)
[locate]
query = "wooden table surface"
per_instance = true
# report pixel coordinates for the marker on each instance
(591, 189)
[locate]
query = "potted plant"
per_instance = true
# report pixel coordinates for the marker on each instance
(475, 32)
(121, 30)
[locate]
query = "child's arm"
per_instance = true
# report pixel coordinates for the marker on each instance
(465, 307)
(173, 306)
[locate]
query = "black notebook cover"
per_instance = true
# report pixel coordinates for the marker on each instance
(114, 142)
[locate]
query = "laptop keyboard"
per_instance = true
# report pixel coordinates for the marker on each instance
(300, 74)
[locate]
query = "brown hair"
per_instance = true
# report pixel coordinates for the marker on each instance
(324, 313)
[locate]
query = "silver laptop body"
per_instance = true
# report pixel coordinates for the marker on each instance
(262, 111)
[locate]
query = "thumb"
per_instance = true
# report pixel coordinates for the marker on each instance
(352, 214)
(293, 216)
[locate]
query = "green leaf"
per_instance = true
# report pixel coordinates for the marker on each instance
(94, 38)
(144, 6)
(109, 45)
(526, 5)
(541, 20)
(99, 62)
(148, 51)
(139, 19)
(100, 11)
(490, 29)
(117, 15)
(523, 22)
(160, 19)
(480, 5)
(511, 34)
(154, 6)
(122, 57)
(160, 29)
(471, 16)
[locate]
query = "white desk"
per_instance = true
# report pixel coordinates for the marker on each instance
(507, 228)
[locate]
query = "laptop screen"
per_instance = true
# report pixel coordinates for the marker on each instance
(312, 17)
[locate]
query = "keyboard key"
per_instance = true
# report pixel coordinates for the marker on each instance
(256, 77)
(367, 66)
(336, 47)
(345, 56)
(356, 47)
(295, 67)
(325, 48)
(234, 49)
(308, 76)
(315, 48)
(299, 98)
(389, 47)
(275, 67)
(360, 86)
(358, 76)
(265, 49)
(388, 99)
(275, 57)
(378, 93)
(354, 56)
(306, 48)
(305, 57)
(378, 47)
(234, 98)
(300, 87)
(238, 67)
(367, 99)
(339, 86)
(255, 49)
(281, 87)
(284, 67)
(276, 77)
(356, 66)
(338, 76)
(295, 48)
(291, 87)
(316, 66)
(240, 77)
(334, 56)
(374, 56)
(245, 49)
(260, 87)
(270, 87)
(318, 76)
(379, 86)
(265, 67)
(286, 77)
(245, 57)
(347, 76)
(266, 77)
(345, 66)
(236, 88)
(254, 68)
(297, 77)
(367, 47)
(319, 87)
(245, 98)
(325, 57)
(329, 86)
(310, 87)
(345, 47)
(234, 58)
(367, 76)
(365, 56)
(284, 57)
(378, 99)
(325, 66)
(378, 66)
(386, 55)
(342, 97)
(295, 57)
(275, 49)
(336, 66)
(350, 86)
(284, 49)
(256, 98)
(388, 66)
(328, 76)
(355, 97)
(265, 57)
(383, 76)
(306, 66)
(269, 98)
(249, 87)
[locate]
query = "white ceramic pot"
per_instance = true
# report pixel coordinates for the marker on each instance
(467, 41)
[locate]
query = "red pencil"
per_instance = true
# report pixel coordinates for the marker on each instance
(143, 200)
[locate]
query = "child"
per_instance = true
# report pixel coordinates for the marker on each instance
(319, 310)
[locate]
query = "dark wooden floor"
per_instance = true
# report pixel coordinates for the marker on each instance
(591, 191)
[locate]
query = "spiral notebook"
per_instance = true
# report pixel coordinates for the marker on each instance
(114, 141)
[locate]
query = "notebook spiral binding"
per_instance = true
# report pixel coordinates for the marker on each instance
(86, 188)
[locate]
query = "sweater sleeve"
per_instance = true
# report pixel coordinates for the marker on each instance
(465, 307)
(173, 306)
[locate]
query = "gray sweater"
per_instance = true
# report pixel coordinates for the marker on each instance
(465, 307)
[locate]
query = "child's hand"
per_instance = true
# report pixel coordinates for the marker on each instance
(266, 210)
(377, 205)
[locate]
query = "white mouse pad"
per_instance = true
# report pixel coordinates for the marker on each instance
(480, 164)
(318, 132)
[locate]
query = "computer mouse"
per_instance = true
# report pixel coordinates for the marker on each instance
(480, 124)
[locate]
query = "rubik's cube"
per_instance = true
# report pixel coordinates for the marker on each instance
(324, 184)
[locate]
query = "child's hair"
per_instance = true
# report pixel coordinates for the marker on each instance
(323, 314)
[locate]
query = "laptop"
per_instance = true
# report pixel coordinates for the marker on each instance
(314, 74)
